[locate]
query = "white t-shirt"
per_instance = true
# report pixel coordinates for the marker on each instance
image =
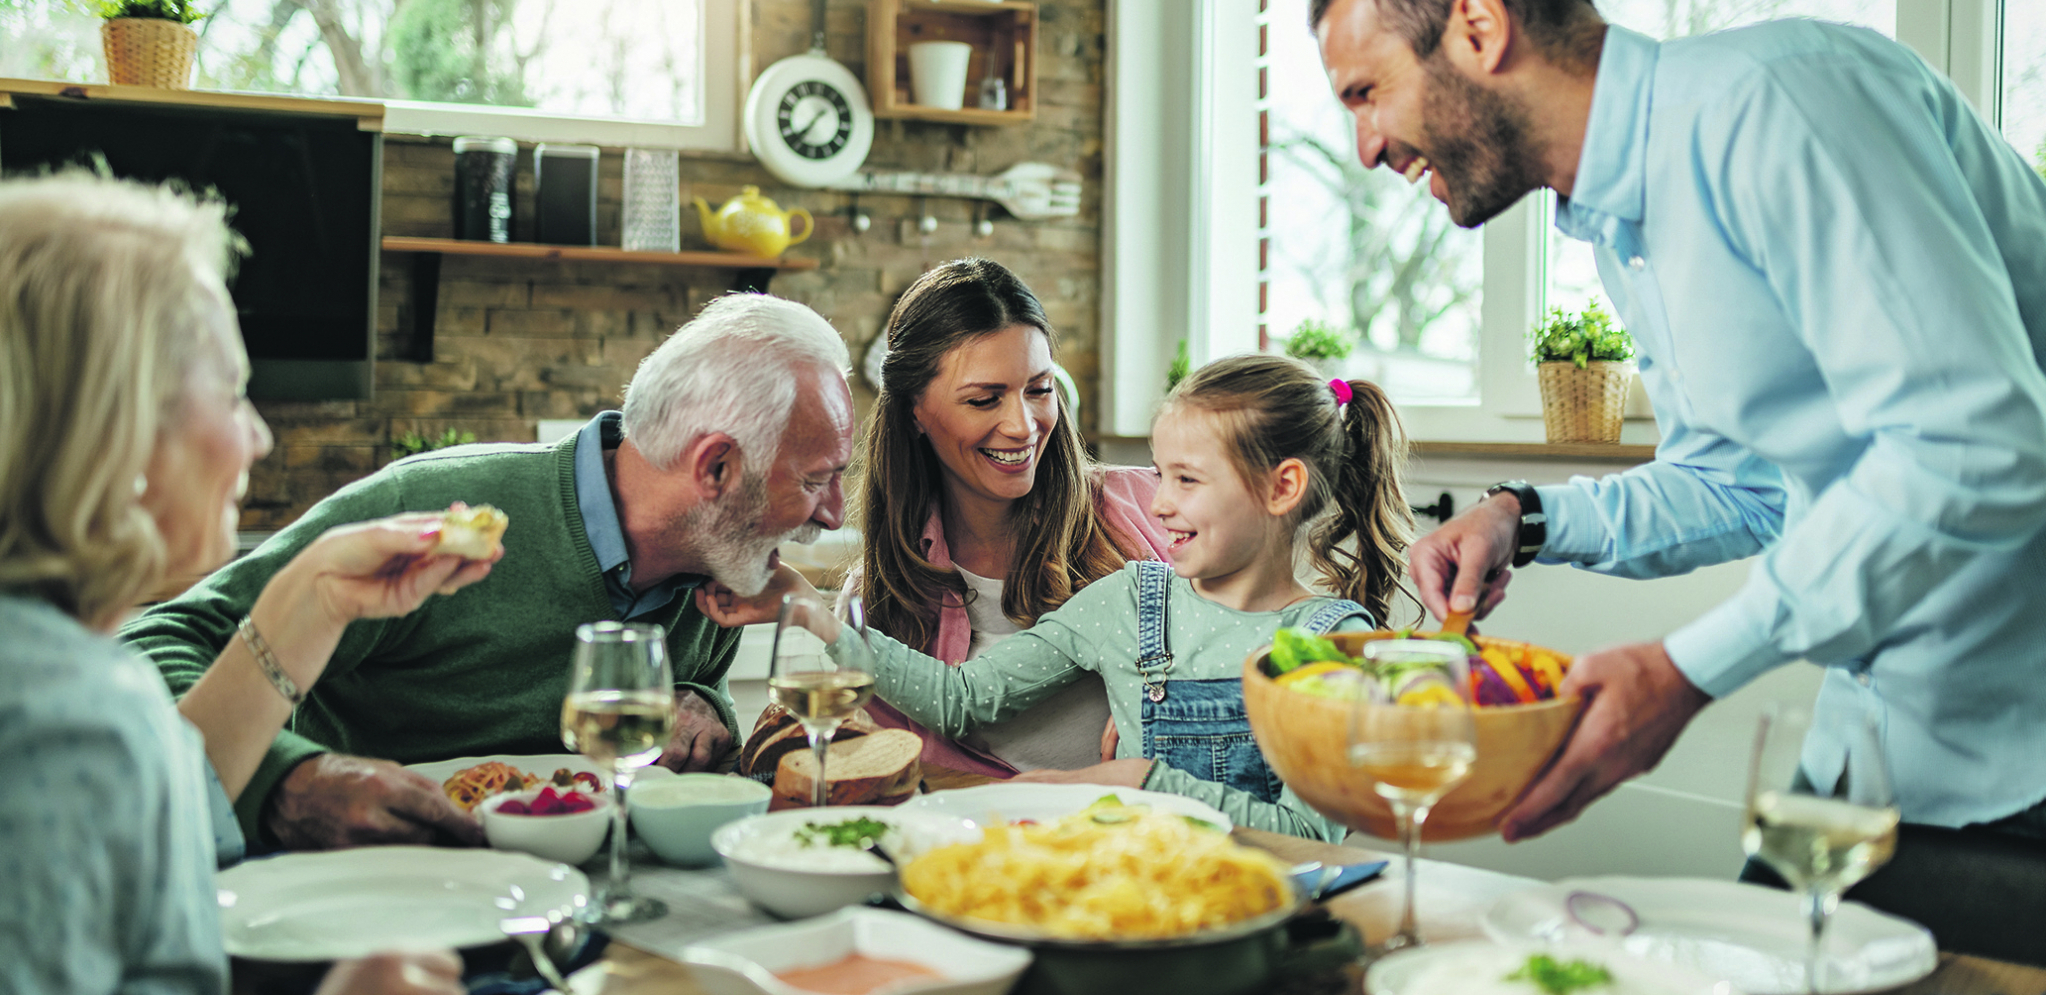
(1062, 732)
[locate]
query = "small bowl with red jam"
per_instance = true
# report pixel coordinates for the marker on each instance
(855, 951)
(561, 824)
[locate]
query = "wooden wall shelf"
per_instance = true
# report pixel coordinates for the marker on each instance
(750, 273)
(1003, 34)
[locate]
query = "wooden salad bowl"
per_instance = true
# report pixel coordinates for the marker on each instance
(1305, 740)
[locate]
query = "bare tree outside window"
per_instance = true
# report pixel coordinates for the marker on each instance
(637, 59)
(2024, 78)
(1358, 249)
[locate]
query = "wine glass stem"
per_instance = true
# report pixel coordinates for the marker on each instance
(820, 745)
(621, 779)
(1410, 819)
(1818, 906)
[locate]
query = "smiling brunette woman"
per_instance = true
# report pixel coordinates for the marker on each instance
(125, 446)
(979, 509)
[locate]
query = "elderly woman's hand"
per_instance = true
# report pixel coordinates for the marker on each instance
(383, 568)
(431, 972)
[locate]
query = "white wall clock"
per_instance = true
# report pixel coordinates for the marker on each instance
(807, 120)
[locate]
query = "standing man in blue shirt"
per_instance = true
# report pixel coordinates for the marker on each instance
(1835, 272)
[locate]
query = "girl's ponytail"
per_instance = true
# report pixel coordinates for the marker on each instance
(1368, 503)
(1271, 409)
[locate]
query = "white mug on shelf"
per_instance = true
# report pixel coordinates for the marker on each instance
(937, 73)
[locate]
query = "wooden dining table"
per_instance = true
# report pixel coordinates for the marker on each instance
(1451, 900)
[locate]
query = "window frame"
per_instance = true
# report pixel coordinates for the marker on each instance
(727, 69)
(1153, 251)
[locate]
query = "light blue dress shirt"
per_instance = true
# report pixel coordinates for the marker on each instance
(600, 523)
(1835, 272)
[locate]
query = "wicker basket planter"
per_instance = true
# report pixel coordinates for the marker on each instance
(1584, 405)
(149, 51)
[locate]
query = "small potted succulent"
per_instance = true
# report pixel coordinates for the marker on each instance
(1585, 364)
(1320, 343)
(149, 42)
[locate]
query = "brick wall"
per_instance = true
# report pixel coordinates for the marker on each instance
(521, 340)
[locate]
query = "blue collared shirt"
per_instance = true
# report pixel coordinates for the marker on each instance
(1835, 273)
(600, 521)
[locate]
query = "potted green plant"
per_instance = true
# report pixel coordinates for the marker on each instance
(149, 42)
(1585, 364)
(412, 443)
(1320, 343)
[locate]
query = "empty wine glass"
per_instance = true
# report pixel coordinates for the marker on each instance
(821, 683)
(619, 712)
(1819, 841)
(1414, 753)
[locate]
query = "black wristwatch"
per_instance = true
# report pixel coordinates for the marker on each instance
(1534, 526)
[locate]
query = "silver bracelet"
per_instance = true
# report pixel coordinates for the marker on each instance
(268, 661)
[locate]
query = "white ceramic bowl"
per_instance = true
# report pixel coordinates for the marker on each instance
(677, 815)
(571, 838)
(744, 963)
(800, 883)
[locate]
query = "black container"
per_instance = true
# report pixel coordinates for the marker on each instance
(484, 168)
(565, 194)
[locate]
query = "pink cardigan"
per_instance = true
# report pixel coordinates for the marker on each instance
(1125, 501)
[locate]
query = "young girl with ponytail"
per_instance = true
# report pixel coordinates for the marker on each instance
(1256, 456)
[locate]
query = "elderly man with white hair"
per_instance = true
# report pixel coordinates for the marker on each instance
(735, 434)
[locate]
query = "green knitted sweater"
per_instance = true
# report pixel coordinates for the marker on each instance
(477, 672)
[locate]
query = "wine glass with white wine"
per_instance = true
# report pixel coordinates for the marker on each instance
(1413, 753)
(1819, 841)
(619, 712)
(821, 683)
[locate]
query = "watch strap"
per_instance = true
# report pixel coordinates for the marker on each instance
(1534, 524)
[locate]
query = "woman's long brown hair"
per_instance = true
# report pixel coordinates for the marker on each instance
(1062, 542)
(1271, 409)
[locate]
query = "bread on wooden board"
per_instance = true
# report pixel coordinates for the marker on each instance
(777, 733)
(880, 768)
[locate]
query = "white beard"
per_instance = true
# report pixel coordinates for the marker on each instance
(727, 537)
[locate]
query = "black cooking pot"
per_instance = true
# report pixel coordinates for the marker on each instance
(1250, 956)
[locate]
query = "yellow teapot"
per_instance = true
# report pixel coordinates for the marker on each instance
(753, 224)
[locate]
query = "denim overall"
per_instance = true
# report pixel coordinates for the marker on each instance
(1201, 727)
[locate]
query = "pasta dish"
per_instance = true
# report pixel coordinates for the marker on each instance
(1111, 872)
(472, 785)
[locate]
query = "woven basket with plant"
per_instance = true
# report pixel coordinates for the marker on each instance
(1585, 365)
(149, 42)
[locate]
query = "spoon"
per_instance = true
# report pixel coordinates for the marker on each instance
(873, 846)
(532, 932)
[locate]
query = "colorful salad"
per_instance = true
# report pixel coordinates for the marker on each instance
(1499, 675)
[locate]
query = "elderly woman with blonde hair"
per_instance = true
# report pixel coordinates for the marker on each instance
(125, 444)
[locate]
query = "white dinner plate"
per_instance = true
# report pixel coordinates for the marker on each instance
(992, 804)
(1750, 935)
(1475, 967)
(542, 764)
(348, 903)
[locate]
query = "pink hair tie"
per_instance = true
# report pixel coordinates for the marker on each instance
(1341, 388)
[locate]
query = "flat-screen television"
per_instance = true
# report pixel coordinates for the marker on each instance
(305, 190)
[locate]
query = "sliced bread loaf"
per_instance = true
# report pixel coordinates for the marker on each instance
(880, 768)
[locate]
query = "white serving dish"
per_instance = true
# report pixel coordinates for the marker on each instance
(783, 887)
(994, 804)
(1746, 934)
(350, 903)
(1475, 967)
(744, 963)
(671, 814)
(570, 838)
